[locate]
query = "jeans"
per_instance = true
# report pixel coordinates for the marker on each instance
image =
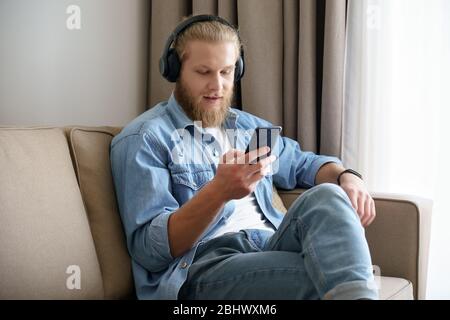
(318, 252)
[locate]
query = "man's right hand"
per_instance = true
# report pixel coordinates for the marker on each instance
(238, 174)
(236, 177)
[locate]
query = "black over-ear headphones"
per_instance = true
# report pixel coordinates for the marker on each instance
(170, 63)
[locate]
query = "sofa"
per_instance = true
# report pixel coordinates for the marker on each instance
(61, 235)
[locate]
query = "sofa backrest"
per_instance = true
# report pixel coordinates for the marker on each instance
(60, 231)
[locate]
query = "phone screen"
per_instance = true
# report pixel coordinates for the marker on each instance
(264, 136)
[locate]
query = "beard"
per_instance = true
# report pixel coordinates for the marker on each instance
(191, 106)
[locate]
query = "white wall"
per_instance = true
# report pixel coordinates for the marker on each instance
(50, 75)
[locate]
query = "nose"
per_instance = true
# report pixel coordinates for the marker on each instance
(215, 82)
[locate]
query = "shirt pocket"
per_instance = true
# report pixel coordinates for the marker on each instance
(193, 179)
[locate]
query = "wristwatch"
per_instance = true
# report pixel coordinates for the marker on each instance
(348, 171)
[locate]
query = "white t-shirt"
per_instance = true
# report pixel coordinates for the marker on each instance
(247, 213)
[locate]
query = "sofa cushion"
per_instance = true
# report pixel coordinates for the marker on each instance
(46, 243)
(90, 148)
(392, 288)
(277, 203)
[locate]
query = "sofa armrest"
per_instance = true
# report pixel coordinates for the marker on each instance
(398, 238)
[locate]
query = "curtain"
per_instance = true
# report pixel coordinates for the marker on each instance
(294, 54)
(396, 109)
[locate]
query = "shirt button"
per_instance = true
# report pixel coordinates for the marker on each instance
(216, 153)
(184, 265)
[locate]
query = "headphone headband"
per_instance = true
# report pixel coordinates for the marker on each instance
(170, 64)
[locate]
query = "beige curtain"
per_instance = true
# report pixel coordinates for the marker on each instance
(294, 54)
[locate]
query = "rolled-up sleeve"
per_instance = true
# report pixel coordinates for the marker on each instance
(298, 168)
(143, 188)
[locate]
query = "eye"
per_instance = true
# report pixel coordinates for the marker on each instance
(202, 72)
(226, 72)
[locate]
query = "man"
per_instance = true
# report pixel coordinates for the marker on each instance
(207, 229)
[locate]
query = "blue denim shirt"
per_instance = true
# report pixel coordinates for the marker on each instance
(152, 180)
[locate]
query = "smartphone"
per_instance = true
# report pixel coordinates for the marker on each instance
(264, 136)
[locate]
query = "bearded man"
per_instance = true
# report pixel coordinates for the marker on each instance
(207, 229)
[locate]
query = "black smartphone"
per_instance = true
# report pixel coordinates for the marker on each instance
(264, 136)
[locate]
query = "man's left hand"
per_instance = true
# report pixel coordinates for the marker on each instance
(360, 198)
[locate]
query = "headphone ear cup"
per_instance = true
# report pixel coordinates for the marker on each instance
(239, 69)
(173, 65)
(163, 66)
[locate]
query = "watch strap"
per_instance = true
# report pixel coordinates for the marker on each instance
(348, 171)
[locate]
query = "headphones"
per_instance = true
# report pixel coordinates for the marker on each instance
(170, 63)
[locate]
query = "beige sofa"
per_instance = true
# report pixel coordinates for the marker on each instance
(61, 236)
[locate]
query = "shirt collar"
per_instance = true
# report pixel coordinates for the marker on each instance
(182, 121)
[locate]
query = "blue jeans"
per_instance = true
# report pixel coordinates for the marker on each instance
(318, 252)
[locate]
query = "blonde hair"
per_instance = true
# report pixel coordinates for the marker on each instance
(209, 31)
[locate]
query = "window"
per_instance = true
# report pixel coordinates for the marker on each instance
(397, 109)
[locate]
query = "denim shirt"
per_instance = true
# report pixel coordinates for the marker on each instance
(153, 180)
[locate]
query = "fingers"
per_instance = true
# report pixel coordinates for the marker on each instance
(369, 211)
(364, 207)
(259, 170)
(251, 172)
(231, 156)
(240, 157)
(365, 216)
(373, 212)
(354, 200)
(361, 207)
(255, 177)
(254, 154)
(260, 165)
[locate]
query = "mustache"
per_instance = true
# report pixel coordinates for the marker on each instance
(191, 104)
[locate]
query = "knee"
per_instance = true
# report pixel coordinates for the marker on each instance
(326, 192)
(337, 200)
(330, 199)
(323, 192)
(330, 188)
